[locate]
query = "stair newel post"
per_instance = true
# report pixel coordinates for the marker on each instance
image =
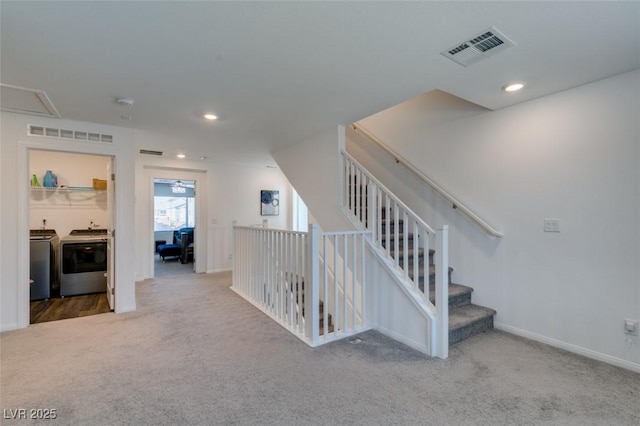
(345, 279)
(363, 283)
(442, 293)
(312, 294)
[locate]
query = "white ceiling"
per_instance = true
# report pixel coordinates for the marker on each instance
(277, 73)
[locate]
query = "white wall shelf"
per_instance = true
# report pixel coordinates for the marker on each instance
(66, 189)
(86, 198)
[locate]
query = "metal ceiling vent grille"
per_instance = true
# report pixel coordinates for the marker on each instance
(150, 152)
(481, 46)
(51, 132)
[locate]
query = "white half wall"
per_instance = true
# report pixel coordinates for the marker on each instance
(392, 312)
(572, 156)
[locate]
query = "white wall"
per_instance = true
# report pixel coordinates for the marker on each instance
(313, 169)
(14, 193)
(574, 156)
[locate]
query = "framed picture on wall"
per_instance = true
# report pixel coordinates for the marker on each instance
(269, 202)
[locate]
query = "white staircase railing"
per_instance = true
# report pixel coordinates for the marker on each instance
(312, 283)
(402, 241)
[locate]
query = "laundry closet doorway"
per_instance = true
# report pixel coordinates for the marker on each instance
(71, 218)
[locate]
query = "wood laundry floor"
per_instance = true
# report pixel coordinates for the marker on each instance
(69, 307)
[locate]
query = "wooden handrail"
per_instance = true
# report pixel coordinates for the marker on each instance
(457, 205)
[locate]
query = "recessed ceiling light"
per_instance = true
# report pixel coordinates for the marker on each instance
(181, 156)
(512, 87)
(210, 117)
(127, 102)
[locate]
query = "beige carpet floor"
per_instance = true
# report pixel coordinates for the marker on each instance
(170, 267)
(195, 353)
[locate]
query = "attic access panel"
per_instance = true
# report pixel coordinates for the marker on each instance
(26, 101)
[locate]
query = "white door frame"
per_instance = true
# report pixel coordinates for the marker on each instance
(111, 240)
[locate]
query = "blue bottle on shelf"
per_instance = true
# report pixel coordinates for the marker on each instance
(49, 180)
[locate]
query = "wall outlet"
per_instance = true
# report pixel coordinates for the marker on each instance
(552, 225)
(230, 257)
(631, 327)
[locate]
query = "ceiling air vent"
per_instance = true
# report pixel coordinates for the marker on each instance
(479, 47)
(52, 132)
(150, 152)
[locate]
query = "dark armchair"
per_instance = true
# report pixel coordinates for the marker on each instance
(181, 248)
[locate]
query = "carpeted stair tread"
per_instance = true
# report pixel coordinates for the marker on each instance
(459, 295)
(392, 241)
(410, 252)
(392, 226)
(468, 321)
(432, 274)
(392, 248)
(464, 315)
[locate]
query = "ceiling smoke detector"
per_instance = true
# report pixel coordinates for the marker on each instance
(127, 102)
(481, 46)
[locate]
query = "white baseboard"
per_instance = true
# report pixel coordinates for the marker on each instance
(9, 327)
(125, 309)
(214, 271)
(570, 348)
(421, 347)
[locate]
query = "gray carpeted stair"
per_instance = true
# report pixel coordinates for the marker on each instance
(465, 318)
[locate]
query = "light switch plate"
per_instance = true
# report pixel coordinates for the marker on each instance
(631, 327)
(552, 225)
